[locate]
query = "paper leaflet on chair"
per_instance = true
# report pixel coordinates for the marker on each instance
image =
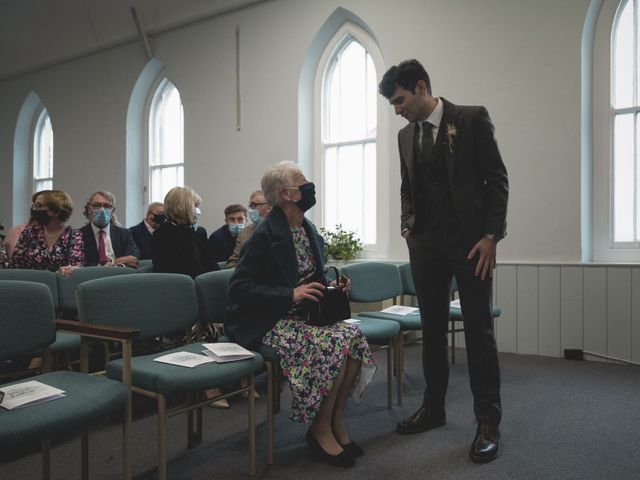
(222, 352)
(184, 359)
(455, 303)
(400, 310)
(29, 393)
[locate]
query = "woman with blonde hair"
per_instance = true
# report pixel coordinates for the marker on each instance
(175, 246)
(50, 244)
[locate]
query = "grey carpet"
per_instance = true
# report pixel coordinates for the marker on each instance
(562, 420)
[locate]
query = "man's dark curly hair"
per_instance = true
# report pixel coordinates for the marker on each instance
(406, 75)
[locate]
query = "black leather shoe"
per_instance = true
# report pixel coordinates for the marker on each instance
(353, 449)
(343, 459)
(487, 442)
(424, 419)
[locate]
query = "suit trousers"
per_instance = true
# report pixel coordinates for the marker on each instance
(436, 256)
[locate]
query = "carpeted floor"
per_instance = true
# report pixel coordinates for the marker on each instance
(562, 420)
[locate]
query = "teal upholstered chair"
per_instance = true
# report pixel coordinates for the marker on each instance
(65, 342)
(158, 304)
(145, 269)
(27, 323)
(212, 289)
(67, 286)
(375, 282)
(145, 263)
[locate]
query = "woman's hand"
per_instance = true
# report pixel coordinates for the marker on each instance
(309, 291)
(67, 270)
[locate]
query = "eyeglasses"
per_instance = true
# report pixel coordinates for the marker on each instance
(256, 205)
(98, 206)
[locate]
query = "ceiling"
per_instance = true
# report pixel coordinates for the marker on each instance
(37, 33)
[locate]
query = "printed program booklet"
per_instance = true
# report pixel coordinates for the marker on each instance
(184, 359)
(28, 393)
(400, 310)
(223, 352)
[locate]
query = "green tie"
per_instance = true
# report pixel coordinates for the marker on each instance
(427, 140)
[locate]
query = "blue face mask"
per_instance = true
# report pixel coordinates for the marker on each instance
(236, 228)
(101, 217)
(254, 215)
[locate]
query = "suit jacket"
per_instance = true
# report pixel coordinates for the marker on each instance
(142, 238)
(261, 288)
(121, 241)
(477, 176)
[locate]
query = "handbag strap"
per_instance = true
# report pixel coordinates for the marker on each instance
(335, 269)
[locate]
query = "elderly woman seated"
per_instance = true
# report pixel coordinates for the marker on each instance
(49, 243)
(280, 270)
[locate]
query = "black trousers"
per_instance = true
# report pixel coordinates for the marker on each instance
(436, 256)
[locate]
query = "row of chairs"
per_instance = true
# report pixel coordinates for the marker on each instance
(146, 306)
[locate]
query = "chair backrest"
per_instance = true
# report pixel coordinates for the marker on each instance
(212, 290)
(221, 265)
(27, 318)
(145, 269)
(39, 276)
(145, 262)
(408, 287)
(67, 285)
(373, 281)
(154, 303)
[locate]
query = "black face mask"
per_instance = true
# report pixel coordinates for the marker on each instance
(308, 196)
(41, 216)
(159, 218)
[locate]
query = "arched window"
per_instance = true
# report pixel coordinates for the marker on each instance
(42, 152)
(166, 141)
(625, 102)
(349, 167)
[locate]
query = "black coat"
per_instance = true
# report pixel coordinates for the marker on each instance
(180, 249)
(221, 244)
(261, 288)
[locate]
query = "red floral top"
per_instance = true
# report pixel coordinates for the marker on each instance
(31, 250)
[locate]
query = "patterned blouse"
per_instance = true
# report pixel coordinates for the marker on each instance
(31, 250)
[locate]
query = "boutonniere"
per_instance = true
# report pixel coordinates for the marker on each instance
(451, 136)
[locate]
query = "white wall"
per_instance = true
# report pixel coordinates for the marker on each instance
(519, 58)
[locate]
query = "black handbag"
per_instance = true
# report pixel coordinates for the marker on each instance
(333, 307)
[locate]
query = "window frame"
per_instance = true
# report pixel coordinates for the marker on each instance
(159, 86)
(346, 33)
(39, 120)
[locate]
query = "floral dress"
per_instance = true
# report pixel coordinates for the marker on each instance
(32, 252)
(311, 356)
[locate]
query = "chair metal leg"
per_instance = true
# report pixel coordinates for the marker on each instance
(270, 408)
(389, 375)
(162, 438)
(127, 425)
(400, 363)
(84, 453)
(252, 426)
(46, 459)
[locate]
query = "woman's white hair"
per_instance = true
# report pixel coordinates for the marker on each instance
(280, 175)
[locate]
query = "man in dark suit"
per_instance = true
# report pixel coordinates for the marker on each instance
(143, 232)
(454, 193)
(105, 243)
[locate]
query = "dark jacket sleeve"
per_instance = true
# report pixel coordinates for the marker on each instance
(127, 245)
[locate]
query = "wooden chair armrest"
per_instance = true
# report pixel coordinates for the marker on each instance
(97, 331)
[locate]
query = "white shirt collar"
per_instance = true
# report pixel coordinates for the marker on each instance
(97, 229)
(435, 117)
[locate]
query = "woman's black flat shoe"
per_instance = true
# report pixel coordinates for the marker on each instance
(353, 449)
(343, 459)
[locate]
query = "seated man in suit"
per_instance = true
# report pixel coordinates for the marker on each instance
(143, 232)
(258, 209)
(105, 243)
(223, 241)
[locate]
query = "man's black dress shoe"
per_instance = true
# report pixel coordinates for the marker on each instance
(486, 444)
(424, 419)
(343, 459)
(353, 449)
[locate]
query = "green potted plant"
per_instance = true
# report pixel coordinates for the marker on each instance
(340, 245)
